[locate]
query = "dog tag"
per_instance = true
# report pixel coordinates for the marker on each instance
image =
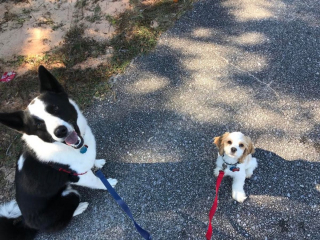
(224, 166)
(234, 169)
(83, 149)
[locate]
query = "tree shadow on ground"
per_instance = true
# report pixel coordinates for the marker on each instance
(164, 159)
(173, 185)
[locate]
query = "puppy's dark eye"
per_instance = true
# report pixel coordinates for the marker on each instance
(229, 142)
(241, 145)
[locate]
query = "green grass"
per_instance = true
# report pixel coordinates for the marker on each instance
(57, 26)
(135, 32)
(96, 16)
(111, 19)
(77, 48)
(81, 3)
(17, 19)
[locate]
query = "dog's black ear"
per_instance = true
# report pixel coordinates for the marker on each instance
(14, 120)
(48, 83)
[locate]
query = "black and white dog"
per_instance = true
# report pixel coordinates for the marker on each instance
(59, 150)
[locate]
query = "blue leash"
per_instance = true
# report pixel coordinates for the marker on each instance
(123, 205)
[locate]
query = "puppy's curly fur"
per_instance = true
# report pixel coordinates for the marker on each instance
(235, 150)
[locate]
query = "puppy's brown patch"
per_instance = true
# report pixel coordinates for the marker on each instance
(249, 148)
(219, 142)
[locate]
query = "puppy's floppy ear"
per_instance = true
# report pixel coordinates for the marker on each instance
(219, 142)
(249, 149)
(48, 83)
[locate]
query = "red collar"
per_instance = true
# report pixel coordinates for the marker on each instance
(69, 172)
(60, 169)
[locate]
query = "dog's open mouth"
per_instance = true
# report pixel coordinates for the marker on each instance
(74, 140)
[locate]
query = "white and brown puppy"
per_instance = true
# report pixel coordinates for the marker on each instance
(235, 159)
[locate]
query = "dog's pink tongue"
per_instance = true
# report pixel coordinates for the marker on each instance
(72, 138)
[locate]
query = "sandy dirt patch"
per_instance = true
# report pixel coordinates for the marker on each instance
(31, 28)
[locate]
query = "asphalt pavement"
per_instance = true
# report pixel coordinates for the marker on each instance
(232, 65)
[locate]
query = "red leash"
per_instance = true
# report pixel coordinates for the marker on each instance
(214, 206)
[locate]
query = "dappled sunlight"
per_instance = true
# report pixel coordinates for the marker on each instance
(33, 41)
(216, 92)
(216, 87)
(262, 201)
(34, 27)
(217, 56)
(250, 39)
(195, 58)
(274, 125)
(38, 40)
(279, 143)
(262, 118)
(202, 32)
(188, 103)
(207, 96)
(145, 86)
(248, 10)
(251, 62)
(204, 100)
(153, 154)
(202, 81)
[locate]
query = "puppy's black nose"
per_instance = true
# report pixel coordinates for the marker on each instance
(233, 149)
(61, 132)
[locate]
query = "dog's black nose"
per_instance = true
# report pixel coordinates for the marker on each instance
(233, 149)
(61, 132)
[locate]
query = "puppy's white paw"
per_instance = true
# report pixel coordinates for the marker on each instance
(98, 163)
(249, 172)
(216, 172)
(113, 182)
(248, 175)
(81, 208)
(239, 196)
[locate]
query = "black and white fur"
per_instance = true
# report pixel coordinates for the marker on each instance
(44, 196)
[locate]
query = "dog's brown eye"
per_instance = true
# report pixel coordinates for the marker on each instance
(241, 145)
(39, 123)
(229, 142)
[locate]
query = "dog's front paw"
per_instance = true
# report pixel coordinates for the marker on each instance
(113, 182)
(239, 196)
(216, 172)
(98, 163)
(248, 175)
